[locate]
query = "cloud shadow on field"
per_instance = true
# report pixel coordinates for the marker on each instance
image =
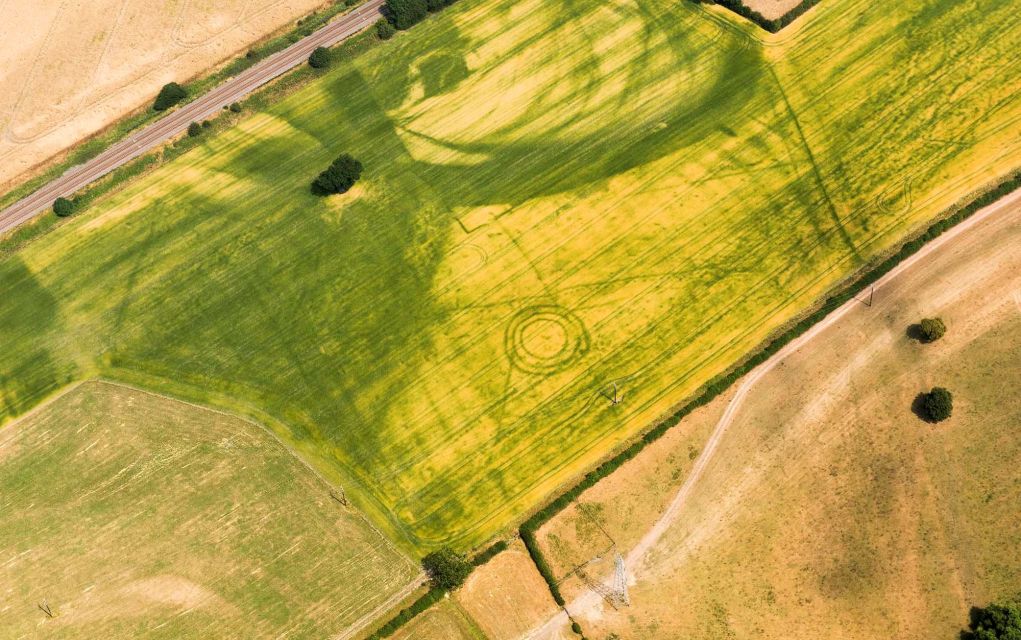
(28, 371)
(555, 166)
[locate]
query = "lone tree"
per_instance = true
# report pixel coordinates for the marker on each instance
(340, 177)
(405, 13)
(932, 329)
(446, 568)
(320, 58)
(63, 207)
(169, 95)
(995, 622)
(194, 129)
(939, 404)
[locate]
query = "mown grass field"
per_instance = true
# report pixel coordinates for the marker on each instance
(558, 196)
(133, 515)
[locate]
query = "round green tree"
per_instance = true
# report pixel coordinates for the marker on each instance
(194, 129)
(339, 177)
(169, 95)
(405, 13)
(932, 329)
(63, 207)
(995, 622)
(446, 568)
(939, 404)
(320, 58)
(385, 30)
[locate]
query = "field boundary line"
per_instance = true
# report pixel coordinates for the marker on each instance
(266, 429)
(998, 194)
(57, 394)
(360, 624)
(366, 619)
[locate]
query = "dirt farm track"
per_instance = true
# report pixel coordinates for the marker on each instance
(71, 67)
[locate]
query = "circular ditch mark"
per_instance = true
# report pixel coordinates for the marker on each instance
(545, 339)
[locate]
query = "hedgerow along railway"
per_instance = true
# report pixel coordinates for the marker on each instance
(559, 199)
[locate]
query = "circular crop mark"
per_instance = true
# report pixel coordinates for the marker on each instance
(545, 339)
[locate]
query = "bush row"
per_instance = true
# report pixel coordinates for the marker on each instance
(721, 383)
(403, 14)
(771, 25)
(431, 597)
(488, 554)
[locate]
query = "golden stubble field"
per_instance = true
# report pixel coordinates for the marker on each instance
(772, 9)
(829, 509)
(72, 67)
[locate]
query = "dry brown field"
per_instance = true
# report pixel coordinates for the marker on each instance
(771, 9)
(507, 597)
(830, 510)
(72, 67)
(443, 621)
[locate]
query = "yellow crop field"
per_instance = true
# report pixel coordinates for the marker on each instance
(559, 199)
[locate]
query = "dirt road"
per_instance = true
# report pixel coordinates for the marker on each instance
(177, 121)
(590, 599)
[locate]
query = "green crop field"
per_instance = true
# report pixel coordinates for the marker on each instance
(558, 197)
(127, 515)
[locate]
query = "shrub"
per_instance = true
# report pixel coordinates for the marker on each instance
(995, 622)
(932, 329)
(206, 124)
(63, 207)
(169, 95)
(235, 107)
(490, 553)
(320, 58)
(385, 30)
(575, 627)
(446, 568)
(339, 177)
(939, 404)
(194, 129)
(405, 13)
(430, 598)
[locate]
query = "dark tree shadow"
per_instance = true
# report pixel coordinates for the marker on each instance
(918, 408)
(914, 332)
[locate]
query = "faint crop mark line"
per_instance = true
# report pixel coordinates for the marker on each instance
(32, 74)
(99, 60)
(815, 168)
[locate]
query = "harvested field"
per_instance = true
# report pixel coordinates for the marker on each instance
(128, 515)
(830, 510)
(72, 68)
(506, 597)
(443, 621)
(557, 197)
(771, 9)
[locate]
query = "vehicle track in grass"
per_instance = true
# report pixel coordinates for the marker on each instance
(637, 554)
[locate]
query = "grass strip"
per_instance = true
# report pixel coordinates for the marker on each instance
(714, 388)
(93, 146)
